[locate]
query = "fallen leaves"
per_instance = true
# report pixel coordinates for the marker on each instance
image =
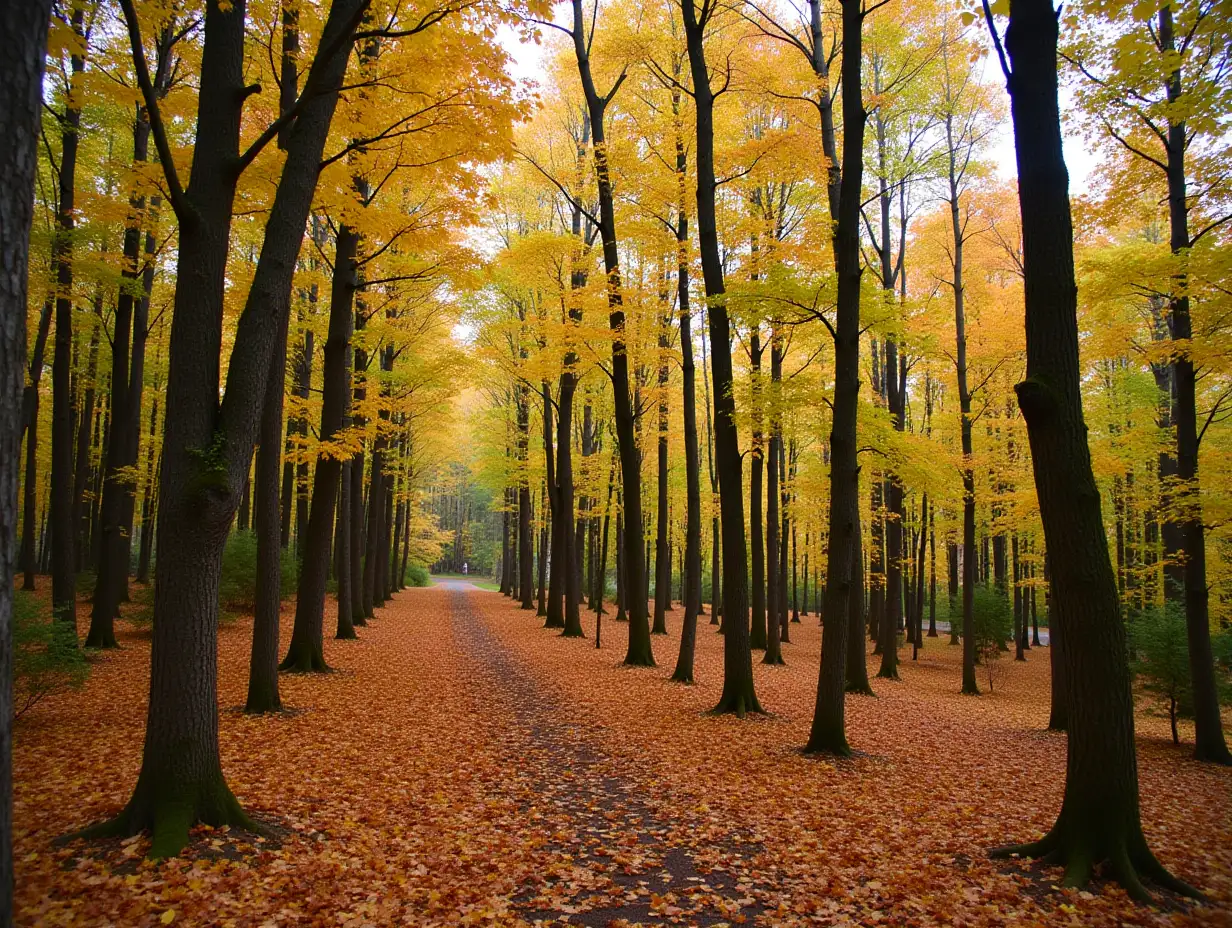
(466, 767)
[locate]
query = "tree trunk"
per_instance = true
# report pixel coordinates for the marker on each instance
(639, 651)
(305, 653)
(738, 694)
(663, 560)
(1209, 743)
(828, 732)
(30, 411)
(692, 455)
(1099, 818)
(263, 693)
(24, 30)
(63, 527)
(208, 445)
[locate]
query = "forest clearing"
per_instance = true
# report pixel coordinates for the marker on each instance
(688, 462)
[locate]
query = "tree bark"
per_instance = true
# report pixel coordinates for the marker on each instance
(738, 694)
(30, 410)
(305, 653)
(263, 693)
(1209, 743)
(208, 444)
(1099, 818)
(828, 733)
(692, 455)
(63, 528)
(639, 652)
(23, 43)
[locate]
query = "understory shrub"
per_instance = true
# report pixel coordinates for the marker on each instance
(46, 659)
(1159, 661)
(417, 575)
(994, 624)
(237, 587)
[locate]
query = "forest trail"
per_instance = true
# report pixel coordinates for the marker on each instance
(610, 829)
(464, 765)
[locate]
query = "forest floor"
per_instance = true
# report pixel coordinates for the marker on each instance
(463, 765)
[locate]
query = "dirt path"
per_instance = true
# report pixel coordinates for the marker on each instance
(621, 860)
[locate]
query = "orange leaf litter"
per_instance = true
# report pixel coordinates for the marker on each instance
(465, 766)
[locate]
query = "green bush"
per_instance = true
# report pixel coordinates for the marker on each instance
(237, 588)
(994, 624)
(46, 658)
(1159, 660)
(417, 575)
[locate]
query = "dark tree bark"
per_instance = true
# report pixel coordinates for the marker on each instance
(132, 306)
(828, 732)
(969, 684)
(526, 553)
(30, 411)
(757, 466)
(692, 464)
(932, 573)
(663, 560)
(565, 562)
(544, 534)
(23, 42)
(263, 693)
(639, 652)
(774, 647)
(63, 527)
(716, 572)
(342, 545)
(306, 651)
(738, 694)
(208, 444)
(892, 613)
(1099, 818)
(1209, 743)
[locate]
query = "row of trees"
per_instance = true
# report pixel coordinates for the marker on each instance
(299, 217)
(895, 402)
(336, 212)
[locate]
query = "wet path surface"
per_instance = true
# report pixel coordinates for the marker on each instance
(621, 859)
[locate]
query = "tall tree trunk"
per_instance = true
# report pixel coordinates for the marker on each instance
(692, 454)
(263, 695)
(639, 652)
(1099, 818)
(23, 43)
(208, 444)
(63, 527)
(305, 654)
(828, 732)
(663, 561)
(716, 571)
(30, 411)
(757, 465)
(131, 314)
(1209, 743)
(526, 553)
(774, 647)
(969, 684)
(893, 612)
